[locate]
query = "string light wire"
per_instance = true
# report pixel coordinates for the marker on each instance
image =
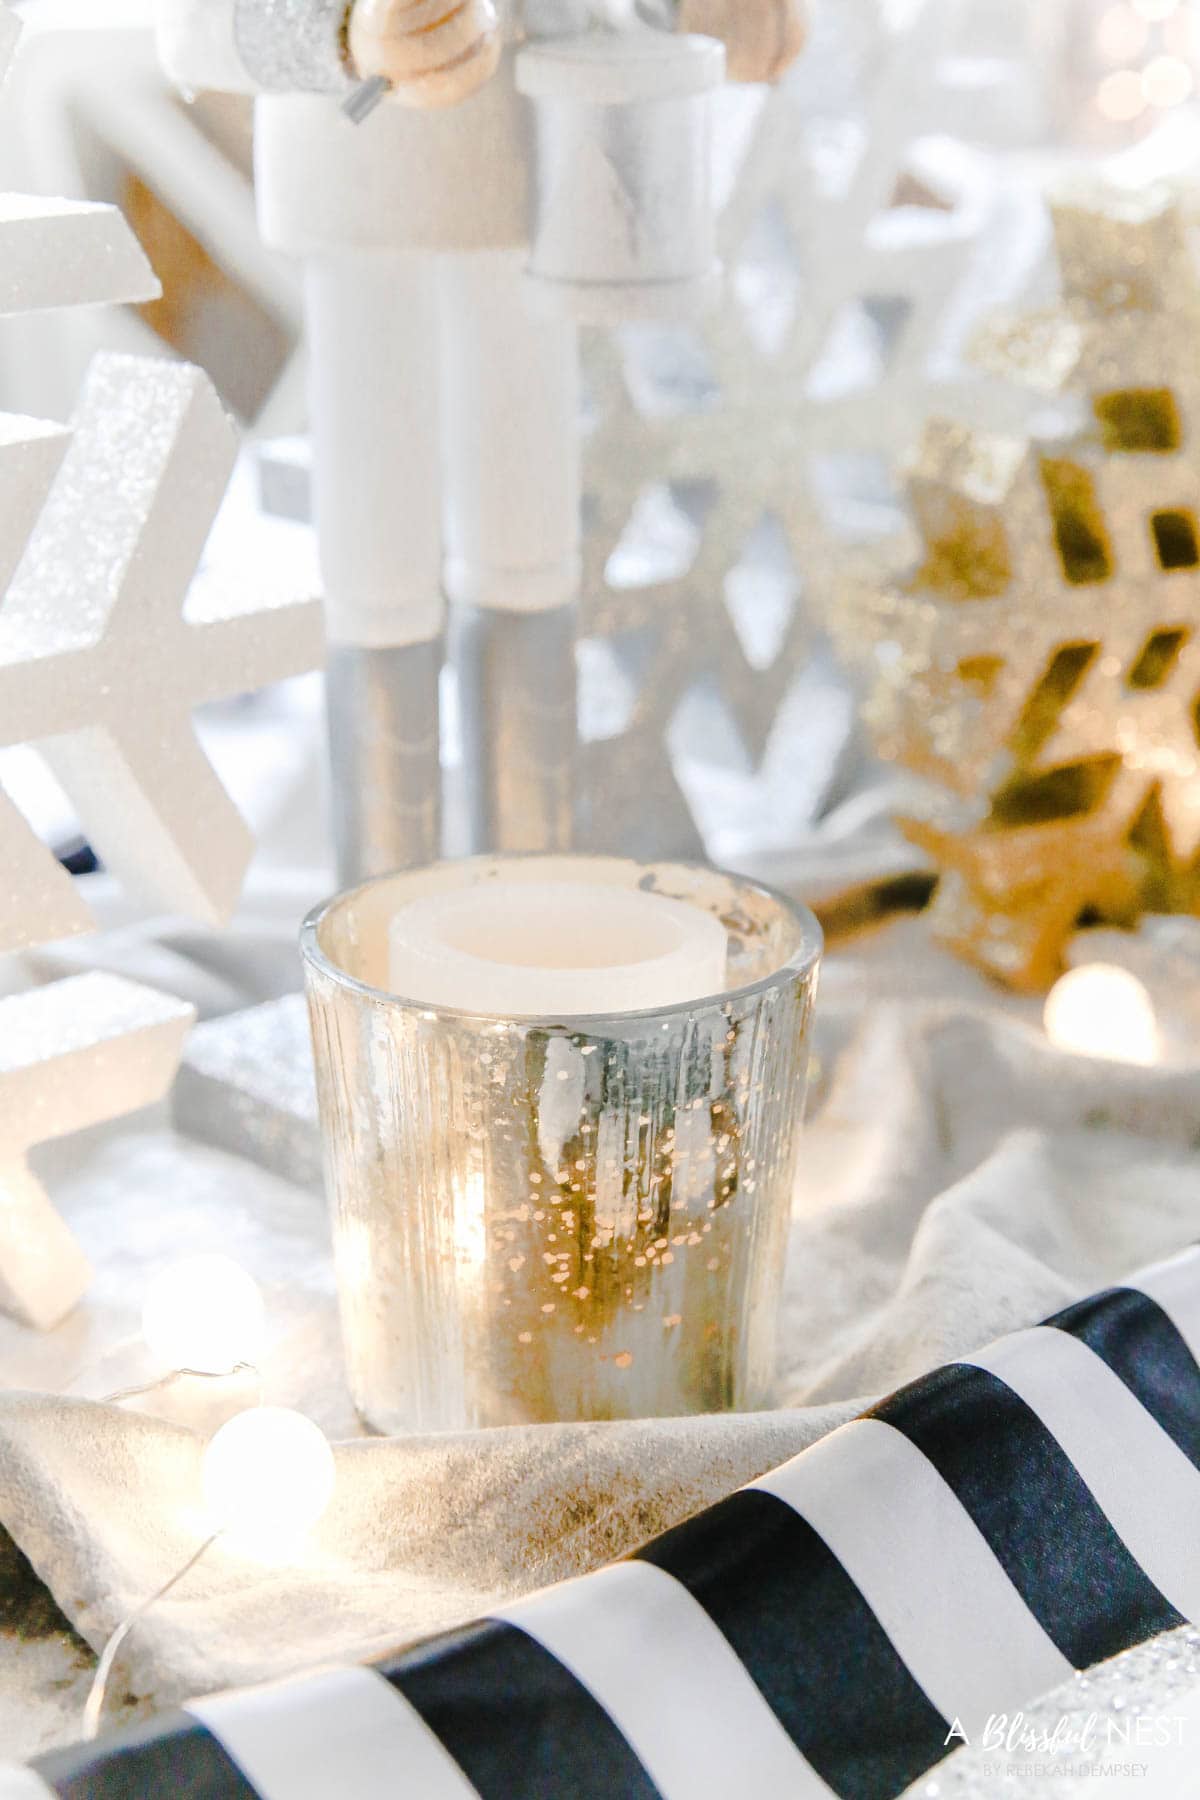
(174, 1375)
(98, 1691)
(94, 1707)
(268, 1473)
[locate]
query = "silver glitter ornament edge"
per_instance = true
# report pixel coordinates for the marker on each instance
(294, 46)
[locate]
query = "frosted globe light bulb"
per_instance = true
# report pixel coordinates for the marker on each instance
(204, 1313)
(268, 1475)
(1104, 1011)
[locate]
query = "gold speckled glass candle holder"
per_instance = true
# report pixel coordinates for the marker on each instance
(536, 1220)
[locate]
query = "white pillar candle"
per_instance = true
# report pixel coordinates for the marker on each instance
(555, 950)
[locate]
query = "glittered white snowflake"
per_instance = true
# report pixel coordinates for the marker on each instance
(103, 654)
(731, 458)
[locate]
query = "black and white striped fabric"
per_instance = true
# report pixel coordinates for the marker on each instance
(952, 1554)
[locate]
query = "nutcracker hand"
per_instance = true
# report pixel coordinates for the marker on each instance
(428, 54)
(762, 38)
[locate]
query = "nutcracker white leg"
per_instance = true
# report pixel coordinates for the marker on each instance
(384, 774)
(517, 683)
(374, 411)
(371, 209)
(511, 445)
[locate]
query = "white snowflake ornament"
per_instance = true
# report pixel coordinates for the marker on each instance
(102, 661)
(53, 253)
(731, 457)
(106, 646)
(64, 252)
(74, 1054)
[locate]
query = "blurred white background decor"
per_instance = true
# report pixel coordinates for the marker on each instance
(874, 208)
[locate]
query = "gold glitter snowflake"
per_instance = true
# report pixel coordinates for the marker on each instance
(1042, 662)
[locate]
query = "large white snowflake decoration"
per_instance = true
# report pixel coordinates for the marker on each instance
(101, 661)
(729, 458)
(53, 253)
(63, 252)
(89, 111)
(76, 1053)
(103, 655)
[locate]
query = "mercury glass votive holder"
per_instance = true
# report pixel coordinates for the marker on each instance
(540, 1219)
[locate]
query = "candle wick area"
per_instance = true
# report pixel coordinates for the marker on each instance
(561, 949)
(538, 942)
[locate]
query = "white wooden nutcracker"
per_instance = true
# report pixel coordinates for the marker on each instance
(465, 184)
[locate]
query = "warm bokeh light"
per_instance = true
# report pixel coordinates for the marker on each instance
(1104, 1011)
(204, 1313)
(1155, 10)
(1181, 34)
(268, 1476)
(1166, 81)
(1120, 96)
(1122, 34)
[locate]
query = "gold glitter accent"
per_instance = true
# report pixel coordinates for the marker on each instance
(1042, 664)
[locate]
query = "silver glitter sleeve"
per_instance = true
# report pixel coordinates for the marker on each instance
(294, 46)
